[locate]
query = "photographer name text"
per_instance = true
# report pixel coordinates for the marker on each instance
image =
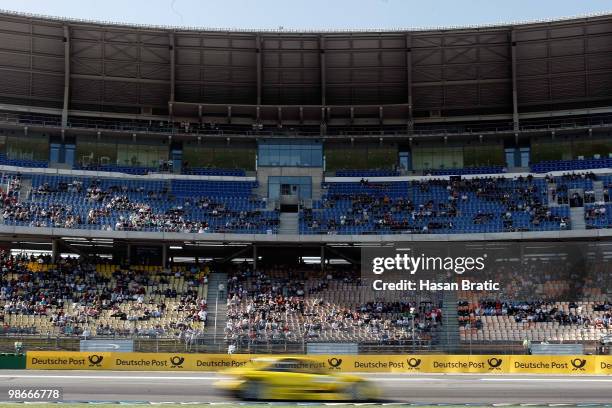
(429, 285)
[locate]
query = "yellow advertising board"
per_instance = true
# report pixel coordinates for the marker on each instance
(177, 362)
(603, 365)
(53, 360)
(500, 364)
(60, 360)
(552, 364)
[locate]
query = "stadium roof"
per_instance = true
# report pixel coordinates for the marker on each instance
(289, 78)
(281, 29)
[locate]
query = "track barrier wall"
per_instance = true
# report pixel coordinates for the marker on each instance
(516, 364)
(12, 361)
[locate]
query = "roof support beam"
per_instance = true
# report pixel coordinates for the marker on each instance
(515, 113)
(31, 60)
(462, 82)
(66, 76)
(259, 68)
(172, 68)
(242, 251)
(323, 82)
(323, 71)
(119, 79)
(409, 81)
(585, 56)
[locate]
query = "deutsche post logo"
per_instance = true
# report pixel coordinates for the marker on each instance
(494, 363)
(578, 364)
(414, 363)
(95, 360)
(334, 363)
(177, 361)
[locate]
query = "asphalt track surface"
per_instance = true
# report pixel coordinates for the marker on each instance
(420, 388)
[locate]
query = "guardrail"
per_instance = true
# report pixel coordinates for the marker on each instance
(171, 128)
(218, 344)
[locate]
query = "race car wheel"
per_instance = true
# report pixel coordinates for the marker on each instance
(253, 391)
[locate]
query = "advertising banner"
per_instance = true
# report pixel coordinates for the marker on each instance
(427, 363)
(63, 360)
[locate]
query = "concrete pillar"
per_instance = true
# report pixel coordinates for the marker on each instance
(322, 257)
(164, 255)
(55, 250)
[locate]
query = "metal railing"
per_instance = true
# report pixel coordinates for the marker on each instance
(218, 344)
(424, 130)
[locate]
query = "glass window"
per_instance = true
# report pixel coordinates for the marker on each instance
(234, 157)
(28, 148)
(524, 156)
(306, 157)
(306, 190)
(54, 156)
(404, 161)
(518, 157)
(92, 153)
(437, 158)
(263, 157)
(273, 190)
(69, 154)
(290, 185)
(286, 189)
(510, 161)
(141, 155)
(291, 154)
(275, 157)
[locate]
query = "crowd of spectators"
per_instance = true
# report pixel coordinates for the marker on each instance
(433, 205)
(289, 304)
(423, 206)
(568, 181)
(535, 312)
(595, 212)
(74, 297)
(561, 297)
(129, 208)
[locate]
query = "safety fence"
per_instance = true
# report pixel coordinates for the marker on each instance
(427, 363)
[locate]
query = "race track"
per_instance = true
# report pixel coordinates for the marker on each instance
(422, 388)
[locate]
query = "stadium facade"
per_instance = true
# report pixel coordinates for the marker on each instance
(151, 145)
(85, 95)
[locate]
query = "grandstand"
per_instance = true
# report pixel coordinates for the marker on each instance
(216, 189)
(71, 298)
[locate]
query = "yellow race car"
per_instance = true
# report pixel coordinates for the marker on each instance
(294, 379)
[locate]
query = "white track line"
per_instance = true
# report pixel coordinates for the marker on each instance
(108, 377)
(169, 378)
(201, 378)
(549, 379)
